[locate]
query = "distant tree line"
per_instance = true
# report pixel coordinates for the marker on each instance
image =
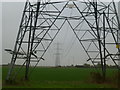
(85, 65)
(97, 65)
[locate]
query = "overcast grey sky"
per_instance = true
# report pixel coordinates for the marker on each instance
(0, 33)
(72, 52)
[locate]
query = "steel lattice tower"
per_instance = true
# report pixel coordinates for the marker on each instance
(95, 25)
(57, 55)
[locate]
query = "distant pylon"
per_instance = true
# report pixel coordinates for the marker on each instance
(57, 55)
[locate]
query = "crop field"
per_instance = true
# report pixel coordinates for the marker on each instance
(61, 77)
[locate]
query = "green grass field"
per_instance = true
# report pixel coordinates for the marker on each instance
(60, 78)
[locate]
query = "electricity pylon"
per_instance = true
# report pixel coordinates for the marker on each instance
(94, 23)
(57, 54)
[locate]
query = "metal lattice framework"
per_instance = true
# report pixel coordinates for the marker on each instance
(95, 25)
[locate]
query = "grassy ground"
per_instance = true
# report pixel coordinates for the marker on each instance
(60, 78)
